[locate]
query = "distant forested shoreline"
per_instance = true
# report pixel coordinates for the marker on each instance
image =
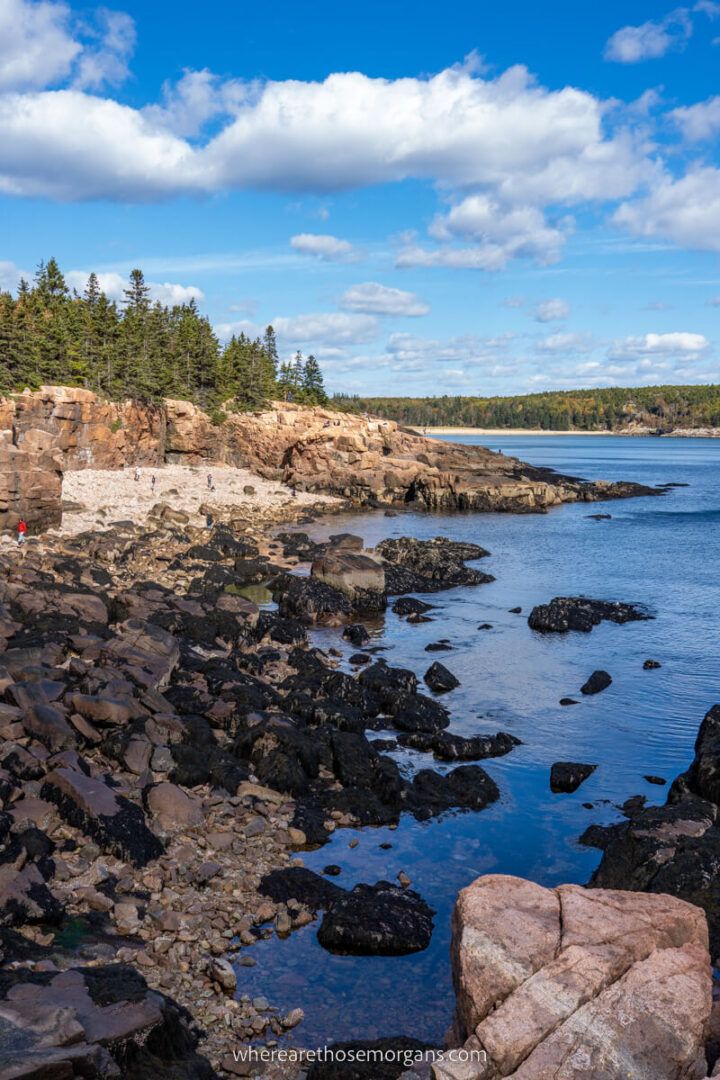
(661, 409)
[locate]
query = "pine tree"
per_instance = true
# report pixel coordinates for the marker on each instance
(313, 385)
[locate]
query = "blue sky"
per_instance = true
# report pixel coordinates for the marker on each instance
(456, 197)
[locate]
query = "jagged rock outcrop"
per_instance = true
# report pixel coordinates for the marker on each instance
(571, 983)
(312, 449)
(364, 459)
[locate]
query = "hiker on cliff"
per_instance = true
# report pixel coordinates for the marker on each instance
(211, 486)
(137, 474)
(152, 483)
(21, 532)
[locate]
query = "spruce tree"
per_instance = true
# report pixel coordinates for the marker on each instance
(313, 385)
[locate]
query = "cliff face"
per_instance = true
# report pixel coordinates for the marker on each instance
(54, 429)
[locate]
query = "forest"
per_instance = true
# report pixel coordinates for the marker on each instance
(660, 408)
(50, 334)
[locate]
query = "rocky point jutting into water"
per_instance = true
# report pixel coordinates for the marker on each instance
(54, 429)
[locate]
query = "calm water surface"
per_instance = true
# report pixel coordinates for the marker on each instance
(659, 552)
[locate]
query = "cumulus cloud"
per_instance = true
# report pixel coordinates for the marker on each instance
(195, 99)
(113, 285)
(700, 122)
(325, 247)
(375, 299)
(680, 345)
(552, 310)
(503, 233)
(326, 329)
(650, 40)
(41, 45)
(565, 343)
(412, 353)
(685, 210)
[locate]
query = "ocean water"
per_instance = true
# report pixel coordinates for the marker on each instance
(660, 552)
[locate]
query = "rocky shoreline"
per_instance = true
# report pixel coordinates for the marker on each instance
(170, 748)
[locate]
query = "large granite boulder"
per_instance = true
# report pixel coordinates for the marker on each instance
(355, 573)
(574, 983)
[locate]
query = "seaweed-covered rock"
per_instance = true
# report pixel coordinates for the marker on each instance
(377, 920)
(565, 613)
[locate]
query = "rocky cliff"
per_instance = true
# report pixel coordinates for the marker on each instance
(55, 429)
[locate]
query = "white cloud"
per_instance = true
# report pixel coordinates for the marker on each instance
(714, 302)
(36, 46)
(685, 211)
(196, 98)
(650, 40)
(41, 45)
(552, 310)
(410, 352)
(113, 285)
(332, 328)
(565, 343)
(680, 345)
(699, 122)
(504, 233)
(325, 247)
(375, 299)
(10, 276)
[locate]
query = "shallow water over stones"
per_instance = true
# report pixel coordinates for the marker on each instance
(650, 552)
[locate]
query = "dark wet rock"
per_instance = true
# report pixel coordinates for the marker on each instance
(95, 1022)
(651, 665)
(658, 780)
(413, 565)
(332, 870)
(356, 634)
(359, 658)
(356, 764)
(377, 1059)
(598, 681)
(417, 620)
(599, 517)
(283, 631)
(567, 776)
(112, 821)
(298, 883)
(388, 683)
(309, 599)
(467, 787)
(568, 701)
(409, 605)
(439, 679)
(581, 613)
(449, 747)
(299, 545)
(438, 646)
(420, 713)
(283, 756)
(485, 626)
(515, 610)
(377, 920)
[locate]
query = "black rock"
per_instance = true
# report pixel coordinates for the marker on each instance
(599, 517)
(379, 1059)
(359, 658)
(332, 870)
(515, 610)
(377, 920)
(408, 605)
(299, 883)
(449, 747)
(439, 679)
(467, 787)
(651, 665)
(416, 620)
(485, 626)
(598, 681)
(567, 776)
(659, 780)
(356, 634)
(581, 613)
(413, 565)
(438, 646)
(568, 701)
(420, 713)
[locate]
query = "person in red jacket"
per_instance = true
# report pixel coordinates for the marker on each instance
(22, 532)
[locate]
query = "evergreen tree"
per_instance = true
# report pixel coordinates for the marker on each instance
(313, 385)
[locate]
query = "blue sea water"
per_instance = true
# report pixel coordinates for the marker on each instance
(660, 552)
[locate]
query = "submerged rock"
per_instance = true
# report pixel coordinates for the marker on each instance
(377, 920)
(299, 883)
(581, 613)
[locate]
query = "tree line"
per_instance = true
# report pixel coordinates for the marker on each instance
(140, 349)
(661, 408)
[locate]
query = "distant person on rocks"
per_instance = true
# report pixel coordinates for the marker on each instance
(152, 483)
(210, 484)
(21, 532)
(293, 492)
(137, 474)
(209, 521)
